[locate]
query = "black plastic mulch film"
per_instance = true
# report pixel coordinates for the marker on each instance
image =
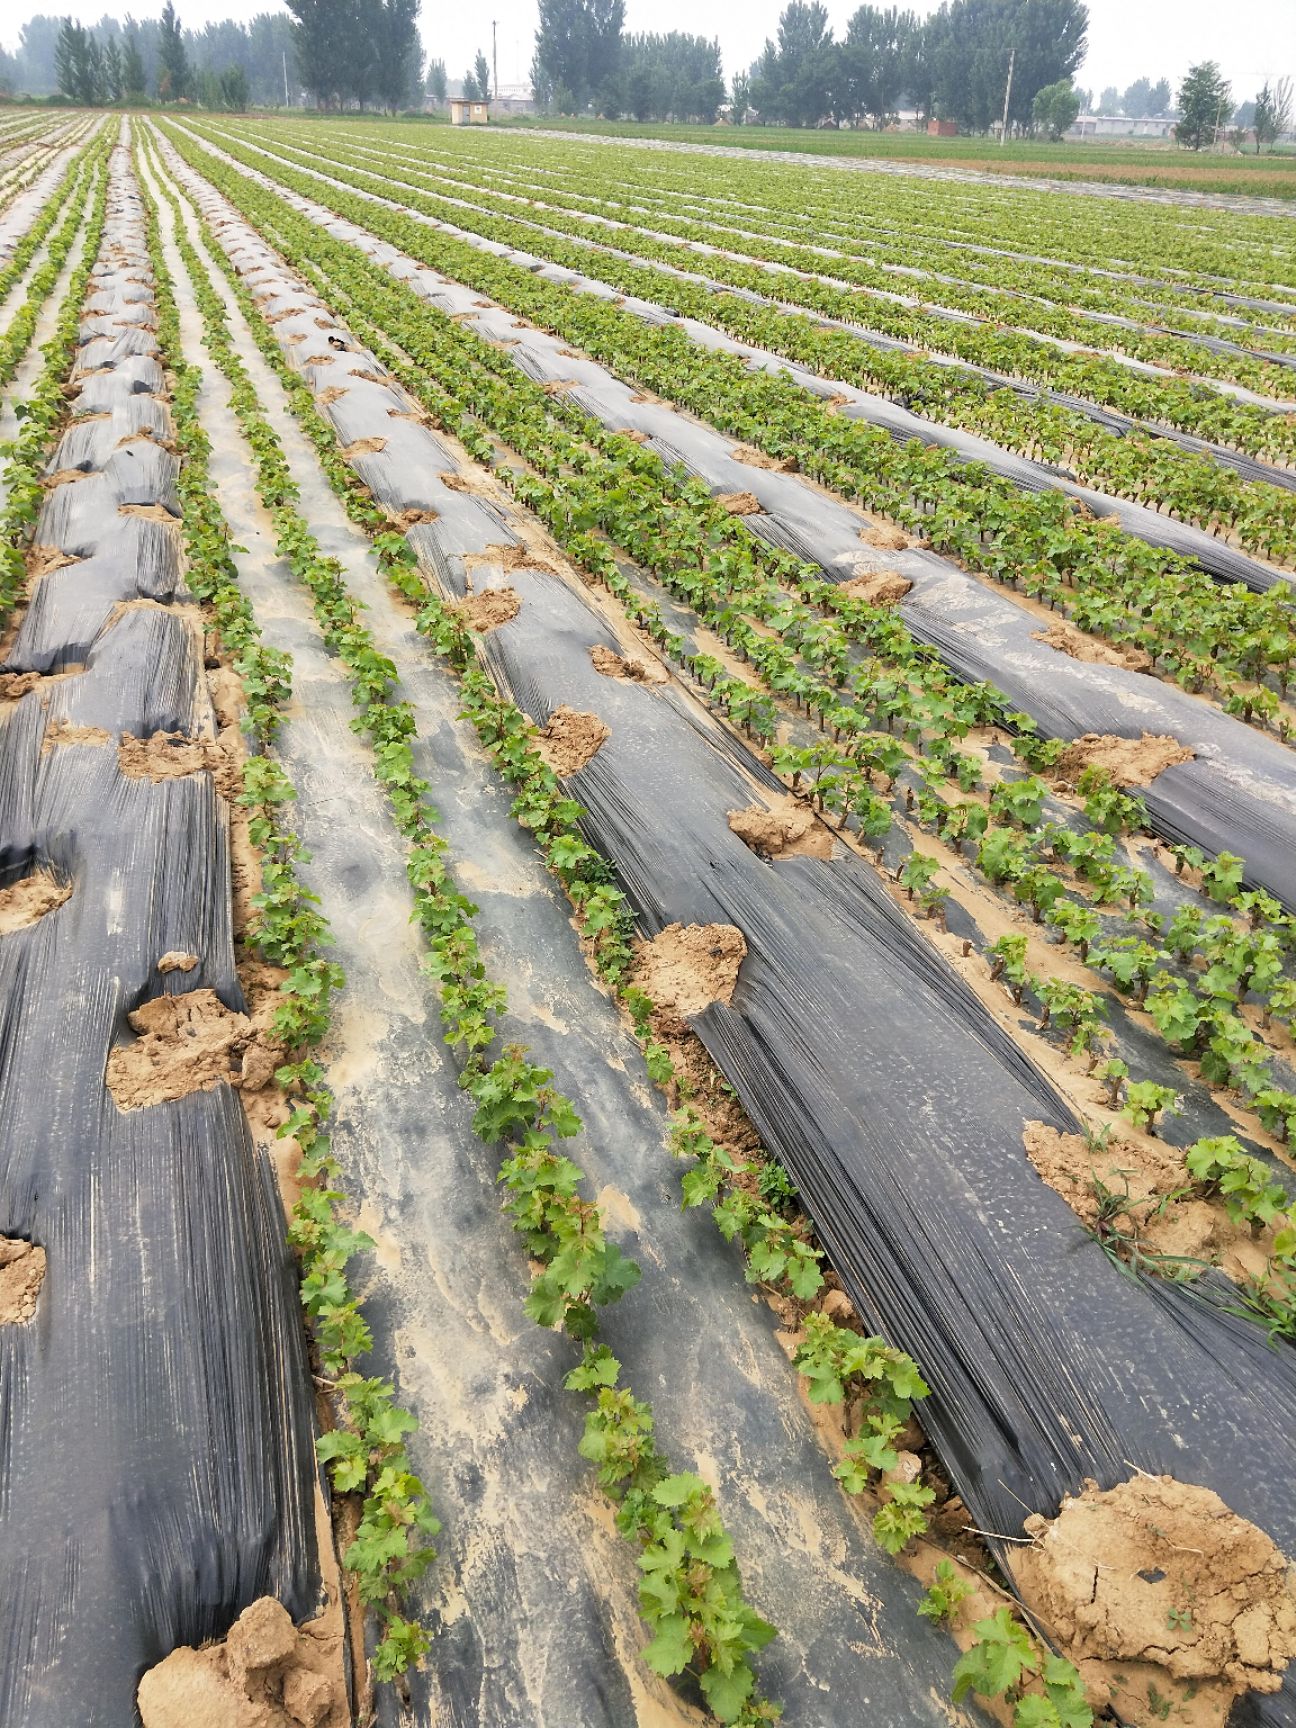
(156, 1422)
(1238, 794)
(881, 1082)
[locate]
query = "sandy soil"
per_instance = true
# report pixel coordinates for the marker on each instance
(614, 665)
(22, 1272)
(1157, 1584)
(1067, 639)
(689, 966)
(570, 740)
(266, 1674)
(787, 830)
(739, 503)
(1142, 1173)
(483, 612)
(1129, 761)
(190, 1043)
(879, 588)
(26, 902)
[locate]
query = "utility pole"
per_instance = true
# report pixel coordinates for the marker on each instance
(495, 57)
(1003, 125)
(287, 104)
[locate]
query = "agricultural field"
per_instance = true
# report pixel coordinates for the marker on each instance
(1114, 162)
(647, 938)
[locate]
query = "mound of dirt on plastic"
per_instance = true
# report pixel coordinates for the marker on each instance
(1141, 1173)
(188, 1043)
(752, 458)
(266, 1674)
(739, 503)
(487, 611)
(885, 535)
(60, 732)
(1067, 639)
(613, 665)
(1129, 761)
(26, 902)
(878, 587)
(1160, 1578)
(789, 830)
(172, 755)
(689, 966)
(570, 740)
(22, 1272)
(176, 960)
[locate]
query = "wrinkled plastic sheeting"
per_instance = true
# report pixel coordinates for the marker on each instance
(156, 1464)
(846, 1615)
(1239, 794)
(873, 1072)
(898, 1106)
(1184, 538)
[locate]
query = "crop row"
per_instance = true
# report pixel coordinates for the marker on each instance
(687, 1561)
(879, 300)
(1104, 580)
(836, 353)
(913, 253)
(895, 710)
(1207, 252)
(1135, 464)
(835, 1360)
(914, 250)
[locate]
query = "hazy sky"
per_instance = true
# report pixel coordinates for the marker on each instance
(1128, 39)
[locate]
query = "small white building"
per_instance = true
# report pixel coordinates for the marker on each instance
(466, 113)
(1119, 126)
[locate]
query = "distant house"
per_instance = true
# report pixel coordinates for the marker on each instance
(514, 99)
(1119, 126)
(942, 129)
(466, 113)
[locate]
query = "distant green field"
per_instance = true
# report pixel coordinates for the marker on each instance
(1123, 163)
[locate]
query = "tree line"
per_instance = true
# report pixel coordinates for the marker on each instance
(952, 64)
(365, 53)
(132, 61)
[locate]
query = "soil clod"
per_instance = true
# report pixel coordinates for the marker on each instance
(266, 1674)
(878, 587)
(613, 665)
(488, 610)
(1129, 761)
(570, 740)
(22, 1272)
(1160, 1578)
(27, 901)
(688, 967)
(1067, 639)
(789, 830)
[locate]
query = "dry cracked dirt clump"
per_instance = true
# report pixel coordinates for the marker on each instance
(1155, 1589)
(613, 665)
(570, 740)
(1129, 761)
(26, 902)
(22, 1272)
(884, 535)
(787, 830)
(189, 1043)
(878, 587)
(266, 1674)
(688, 967)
